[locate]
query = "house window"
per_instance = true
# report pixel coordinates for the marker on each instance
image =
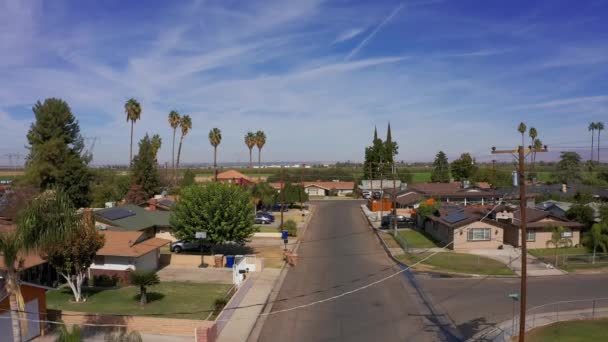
(530, 235)
(99, 260)
(479, 234)
(567, 233)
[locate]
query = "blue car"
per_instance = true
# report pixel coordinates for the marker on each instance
(262, 217)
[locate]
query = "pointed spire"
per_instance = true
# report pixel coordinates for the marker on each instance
(389, 138)
(375, 133)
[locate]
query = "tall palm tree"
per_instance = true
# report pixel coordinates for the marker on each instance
(522, 130)
(260, 141)
(592, 128)
(600, 127)
(174, 121)
(47, 220)
(250, 142)
(533, 134)
(215, 138)
(186, 125)
(133, 111)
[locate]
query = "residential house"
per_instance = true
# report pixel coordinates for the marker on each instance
(539, 227)
(380, 185)
(321, 188)
(234, 177)
(133, 218)
(559, 208)
(455, 193)
(126, 251)
(34, 297)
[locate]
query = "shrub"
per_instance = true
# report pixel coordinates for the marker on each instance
(219, 304)
(104, 280)
(292, 227)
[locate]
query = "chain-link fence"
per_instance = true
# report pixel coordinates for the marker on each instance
(575, 259)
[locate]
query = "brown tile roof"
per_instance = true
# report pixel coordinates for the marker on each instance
(532, 215)
(25, 261)
(409, 198)
(125, 244)
(451, 189)
(231, 174)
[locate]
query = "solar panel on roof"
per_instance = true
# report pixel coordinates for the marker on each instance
(116, 214)
(455, 216)
(167, 203)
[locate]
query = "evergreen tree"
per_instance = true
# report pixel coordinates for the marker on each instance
(463, 167)
(569, 167)
(379, 156)
(144, 173)
(390, 147)
(56, 158)
(441, 169)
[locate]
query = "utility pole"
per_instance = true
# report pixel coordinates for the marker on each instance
(494, 173)
(371, 184)
(394, 202)
(381, 190)
(282, 194)
(300, 189)
(521, 158)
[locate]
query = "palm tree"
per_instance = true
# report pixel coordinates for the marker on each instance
(133, 111)
(597, 237)
(215, 138)
(186, 125)
(533, 134)
(260, 141)
(558, 240)
(522, 130)
(536, 146)
(143, 279)
(592, 128)
(600, 127)
(174, 121)
(48, 220)
(250, 142)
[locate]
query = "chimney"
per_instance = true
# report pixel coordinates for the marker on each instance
(152, 204)
(87, 217)
(564, 188)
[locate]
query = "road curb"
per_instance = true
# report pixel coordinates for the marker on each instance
(254, 335)
(431, 273)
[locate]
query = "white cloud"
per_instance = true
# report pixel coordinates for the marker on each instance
(348, 35)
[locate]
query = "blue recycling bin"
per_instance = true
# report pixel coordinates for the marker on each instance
(229, 261)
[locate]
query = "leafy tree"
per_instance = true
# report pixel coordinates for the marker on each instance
(174, 122)
(144, 279)
(145, 173)
(463, 167)
(260, 141)
(185, 125)
(597, 237)
(294, 193)
(188, 178)
(291, 227)
(581, 213)
(264, 193)
(390, 147)
(107, 186)
(224, 211)
(156, 143)
(215, 138)
(73, 256)
(557, 240)
(569, 167)
(441, 169)
(133, 111)
(250, 142)
(379, 157)
(136, 195)
(404, 175)
(427, 208)
(496, 177)
(56, 152)
(48, 219)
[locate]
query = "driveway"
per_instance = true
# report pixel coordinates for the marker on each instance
(512, 258)
(196, 274)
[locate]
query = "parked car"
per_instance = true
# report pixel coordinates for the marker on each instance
(183, 245)
(262, 219)
(366, 194)
(280, 207)
(402, 221)
(377, 195)
(265, 214)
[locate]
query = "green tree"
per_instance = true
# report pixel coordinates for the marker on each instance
(260, 141)
(174, 122)
(591, 129)
(581, 213)
(569, 167)
(185, 125)
(558, 240)
(404, 175)
(55, 157)
(427, 208)
(264, 193)
(599, 126)
(597, 237)
(463, 167)
(108, 186)
(69, 334)
(46, 221)
(377, 157)
(250, 142)
(224, 211)
(294, 193)
(143, 279)
(73, 256)
(390, 147)
(521, 128)
(144, 172)
(441, 169)
(188, 178)
(291, 227)
(133, 111)
(156, 143)
(215, 138)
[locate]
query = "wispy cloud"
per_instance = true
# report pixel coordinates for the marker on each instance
(569, 102)
(348, 35)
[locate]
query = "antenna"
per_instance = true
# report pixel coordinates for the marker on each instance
(90, 142)
(16, 157)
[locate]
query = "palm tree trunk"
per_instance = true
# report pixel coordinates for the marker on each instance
(259, 158)
(250, 160)
(215, 157)
(522, 141)
(143, 297)
(179, 153)
(131, 148)
(598, 146)
(592, 136)
(173, 155)
(12, 287)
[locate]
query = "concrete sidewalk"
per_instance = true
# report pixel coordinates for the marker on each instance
(512, 258)
(236, 325)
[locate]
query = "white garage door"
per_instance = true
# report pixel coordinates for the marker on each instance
(33, 327)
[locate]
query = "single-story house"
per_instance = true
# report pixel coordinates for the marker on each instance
(125, 251)
(539, 227)
(34, 296)
(320, 188)
(133, 218)
(376, 185)
(559, 208)
(234, 177)
(454, 193)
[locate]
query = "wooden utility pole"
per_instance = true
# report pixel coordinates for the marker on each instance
(521, 158)
(282, 194)
(381, 191)
(300, 189)
(394, 202)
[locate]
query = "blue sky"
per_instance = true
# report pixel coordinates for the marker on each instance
(315, 75)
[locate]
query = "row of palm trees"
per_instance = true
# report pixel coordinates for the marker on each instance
(535, 143)
(255, 139)
(599, 127)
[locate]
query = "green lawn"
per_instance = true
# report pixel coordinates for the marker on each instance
(550, 252)
(421, 177)
(458, 262)
(167, 299)
(548, 255)
(416, 239)
(571, 331)
(267, 229)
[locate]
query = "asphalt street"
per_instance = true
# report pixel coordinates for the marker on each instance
(340, 253)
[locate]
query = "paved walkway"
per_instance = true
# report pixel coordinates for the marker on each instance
(94, 335)
(511, 257)
(196, 274)
(236, 325)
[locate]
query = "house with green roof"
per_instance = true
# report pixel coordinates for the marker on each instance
(133, 218)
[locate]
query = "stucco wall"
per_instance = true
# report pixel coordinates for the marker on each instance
(544, 235)
(461, 236)
(148, 262)
(115, 263)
